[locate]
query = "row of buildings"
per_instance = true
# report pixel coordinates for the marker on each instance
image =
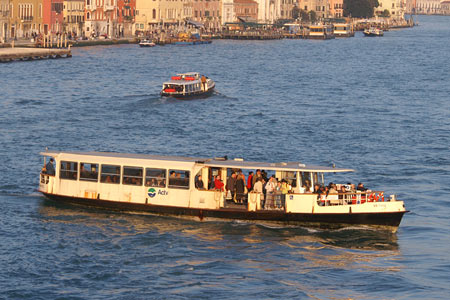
(115, 18)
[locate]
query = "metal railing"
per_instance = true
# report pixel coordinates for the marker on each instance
(350, 198)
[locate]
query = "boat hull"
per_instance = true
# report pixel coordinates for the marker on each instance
(208, 93)
(329, 220)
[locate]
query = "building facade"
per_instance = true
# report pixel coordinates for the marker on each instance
(228, 15)
(208, 13)
(101, 18)
(73, 20)
(26, 18)
(396, 8)
(4, 20)
(320, 7)
(336, 8)
(428, 7)
(126, 10)
(247, 9)
(73, 17)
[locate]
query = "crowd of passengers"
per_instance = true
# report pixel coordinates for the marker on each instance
(272, 190)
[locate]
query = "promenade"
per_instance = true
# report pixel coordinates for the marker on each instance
(24, 54)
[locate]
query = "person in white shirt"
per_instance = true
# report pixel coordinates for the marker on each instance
(270, 189)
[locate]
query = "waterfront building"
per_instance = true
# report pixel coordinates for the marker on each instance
(228, 15)
(246, 9)
(73, 20)
(101, 18)
(207, 12)
(336, 8)
(4, 20)
(428, 7)
(396, 8)
(146, 15)
(286, 7)
(320, 7)
(53, 16)
(445, 7)
(153, 14)
(126, 17)
(26, 18)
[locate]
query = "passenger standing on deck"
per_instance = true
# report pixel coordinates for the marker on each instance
(199, 182)
(250, 181)
(240, 188)
(50, 168)
(203, 79)
(270, 189)
(258, 188)
(218, 184)
(231, 185)
(258, 175)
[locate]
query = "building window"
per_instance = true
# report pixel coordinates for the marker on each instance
(154, 13)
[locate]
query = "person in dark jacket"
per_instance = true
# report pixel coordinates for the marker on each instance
(240, 189)
(50, 168)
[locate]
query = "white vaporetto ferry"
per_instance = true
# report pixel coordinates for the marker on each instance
(172, 185)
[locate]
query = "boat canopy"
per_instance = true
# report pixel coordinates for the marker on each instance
(218, 162)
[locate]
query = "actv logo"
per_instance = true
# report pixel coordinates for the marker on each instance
(151, 192)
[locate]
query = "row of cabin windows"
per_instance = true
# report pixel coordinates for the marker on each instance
(129, 175)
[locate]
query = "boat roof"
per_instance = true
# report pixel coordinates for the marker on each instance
(219, 162)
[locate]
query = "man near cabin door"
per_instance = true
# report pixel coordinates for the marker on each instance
(203, 79)
(231, 185)
(50, 168)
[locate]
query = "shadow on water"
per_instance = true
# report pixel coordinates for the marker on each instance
(358, 238)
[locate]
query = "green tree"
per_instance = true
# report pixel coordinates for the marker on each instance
(312, 16)
(386, 13)
(359, 8)
(295, 13)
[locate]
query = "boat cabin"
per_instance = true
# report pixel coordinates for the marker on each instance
(321, 31)
(343, 30)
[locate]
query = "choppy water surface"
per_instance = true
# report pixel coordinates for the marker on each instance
(379, 105)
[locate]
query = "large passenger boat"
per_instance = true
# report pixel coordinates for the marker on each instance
(194, 187)
(343, 30)
(321, 32)
(188, 85)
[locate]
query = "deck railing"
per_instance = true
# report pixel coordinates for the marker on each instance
(350, 198)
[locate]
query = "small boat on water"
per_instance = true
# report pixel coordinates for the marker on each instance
(185, 39)
(146, 43)
(373, 31)
(188, 85)
(194, 187)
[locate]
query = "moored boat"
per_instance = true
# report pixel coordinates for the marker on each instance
(192, 187)
(373, 31)
(188, 85)
(343, 30)
(320, 32)
(146, 43)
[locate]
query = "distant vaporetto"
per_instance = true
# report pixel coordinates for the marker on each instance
(173, 185)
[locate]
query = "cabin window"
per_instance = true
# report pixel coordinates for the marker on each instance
(155, 177)
(89, 172)
(110, 174)
(179, 179)
(305, 180)
(132, 175)
(69, 170)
